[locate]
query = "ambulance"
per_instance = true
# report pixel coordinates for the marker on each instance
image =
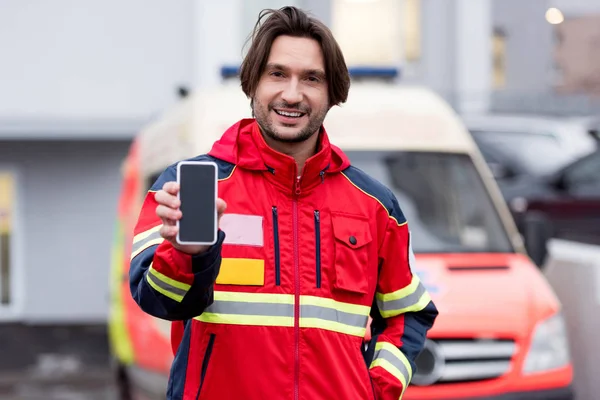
(500, 333)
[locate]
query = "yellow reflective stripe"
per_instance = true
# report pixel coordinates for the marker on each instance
(332, 326)
(146, 239)
(245, 297)
(167, 293)
(418, 306)
(251, 320)
(268, 309)
(400, 294)
(390, 358)
(241, 271)
(395, 351)
(169, 281)
(389, 367)
(141, 236)
(411, 298)
(119, 339)
(338, 305)
(332, 315)
(169, 287)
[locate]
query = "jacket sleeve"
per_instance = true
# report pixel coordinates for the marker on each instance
(402, 312)
(165, 282)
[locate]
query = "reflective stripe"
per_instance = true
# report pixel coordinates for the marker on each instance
(163, 284)
(278, 310)
(390, 358)
(226, 309)
(243, 308)
(146, 239)
(413, 297)
(328, 314)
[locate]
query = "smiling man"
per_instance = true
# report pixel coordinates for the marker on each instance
(309, 247)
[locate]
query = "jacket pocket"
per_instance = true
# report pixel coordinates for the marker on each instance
(205, 362)
(276, 247)
(318, 247)
(352, 235)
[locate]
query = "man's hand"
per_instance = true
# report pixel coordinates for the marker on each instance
(168, 211)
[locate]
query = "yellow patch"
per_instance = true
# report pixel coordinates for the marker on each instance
(241, 271)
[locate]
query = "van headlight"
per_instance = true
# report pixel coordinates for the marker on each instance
(549, 346)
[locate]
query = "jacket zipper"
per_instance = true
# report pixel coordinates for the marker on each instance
(276, 245)
(297, 291)
(318, 246)
(207, 354)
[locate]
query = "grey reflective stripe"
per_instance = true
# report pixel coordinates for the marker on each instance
(383, 354)
(404, 302)
(330, 314)
(137, 246)
(164, 285)
(242, 308)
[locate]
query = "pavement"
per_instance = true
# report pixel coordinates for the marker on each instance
(55, 363)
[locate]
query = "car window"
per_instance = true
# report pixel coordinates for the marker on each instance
(443, 198)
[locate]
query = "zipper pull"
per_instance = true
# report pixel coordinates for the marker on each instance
(297, 188)
(322, 173)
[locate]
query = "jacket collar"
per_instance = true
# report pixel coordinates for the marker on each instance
(243, 144)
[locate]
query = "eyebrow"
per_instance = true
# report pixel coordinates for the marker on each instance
(318, 72)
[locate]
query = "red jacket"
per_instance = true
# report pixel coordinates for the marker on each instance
(299, 266)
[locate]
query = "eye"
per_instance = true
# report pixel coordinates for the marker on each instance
(277, 74)
(314, 79)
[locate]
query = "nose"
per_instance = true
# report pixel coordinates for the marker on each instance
(292, 93)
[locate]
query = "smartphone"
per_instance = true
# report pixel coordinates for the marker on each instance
(198, 182)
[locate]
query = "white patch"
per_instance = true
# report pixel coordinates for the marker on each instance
(240, 229)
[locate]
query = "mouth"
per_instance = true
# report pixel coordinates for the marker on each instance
(289, 114)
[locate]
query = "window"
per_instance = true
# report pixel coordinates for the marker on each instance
(443, 198)
(412, 29)
(499, 59)
(7, 192)
(369, 32)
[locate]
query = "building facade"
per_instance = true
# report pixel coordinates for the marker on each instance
(79, 79)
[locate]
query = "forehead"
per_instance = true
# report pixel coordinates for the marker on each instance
(296, 53)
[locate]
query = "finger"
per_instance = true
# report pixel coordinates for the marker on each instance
(169, 232)
(167, 199)
(171, 188)
(167, 214)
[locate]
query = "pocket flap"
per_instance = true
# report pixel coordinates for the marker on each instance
(353, 231)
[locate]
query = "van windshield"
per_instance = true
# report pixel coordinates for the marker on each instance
(443, 198)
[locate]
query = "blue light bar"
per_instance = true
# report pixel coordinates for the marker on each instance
(229, 71)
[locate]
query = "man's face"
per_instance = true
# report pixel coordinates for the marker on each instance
(291, 99)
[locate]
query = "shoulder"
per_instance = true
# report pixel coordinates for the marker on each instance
(170, 173)
(371, 187)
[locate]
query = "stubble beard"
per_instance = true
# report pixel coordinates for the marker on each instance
(265, 122)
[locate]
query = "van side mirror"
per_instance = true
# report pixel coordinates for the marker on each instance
(537, 231)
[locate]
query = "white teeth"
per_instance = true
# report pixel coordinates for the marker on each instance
(289, 114)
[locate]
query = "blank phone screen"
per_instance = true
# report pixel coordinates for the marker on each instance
(197, 196)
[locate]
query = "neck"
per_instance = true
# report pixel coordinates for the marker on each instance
(301, 151)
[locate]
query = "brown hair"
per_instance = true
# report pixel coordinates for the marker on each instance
(292, 21)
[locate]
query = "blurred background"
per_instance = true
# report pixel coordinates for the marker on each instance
(79, 79)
